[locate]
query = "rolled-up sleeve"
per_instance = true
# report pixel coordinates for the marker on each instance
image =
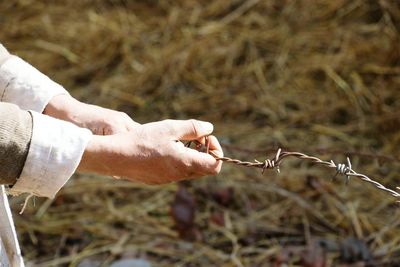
(24, 85)
(56, 148)
(38, 153)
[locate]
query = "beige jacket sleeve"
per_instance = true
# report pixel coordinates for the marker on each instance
(15, 136)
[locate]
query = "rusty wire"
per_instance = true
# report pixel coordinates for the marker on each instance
(381, 158)
(345, 169)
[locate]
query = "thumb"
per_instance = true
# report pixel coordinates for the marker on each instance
(189, 129)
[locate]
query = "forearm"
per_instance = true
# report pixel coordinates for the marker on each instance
(99, 156)
(61, 107)
(100, 121)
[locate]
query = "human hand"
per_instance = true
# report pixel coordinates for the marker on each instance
(153, 154)
(101, 121)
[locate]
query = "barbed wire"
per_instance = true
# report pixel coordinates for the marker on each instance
(381, 158)
(345, 169)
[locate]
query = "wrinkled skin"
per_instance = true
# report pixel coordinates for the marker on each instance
(151, 153)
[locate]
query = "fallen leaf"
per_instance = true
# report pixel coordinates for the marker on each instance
(183, 211)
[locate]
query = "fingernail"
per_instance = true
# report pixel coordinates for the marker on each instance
(208, 127)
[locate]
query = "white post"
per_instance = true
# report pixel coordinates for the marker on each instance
(4, 262)
(9, 241)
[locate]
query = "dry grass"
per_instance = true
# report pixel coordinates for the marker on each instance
(300, 74)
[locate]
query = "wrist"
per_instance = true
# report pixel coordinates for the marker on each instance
(62, 107)
(98, 156)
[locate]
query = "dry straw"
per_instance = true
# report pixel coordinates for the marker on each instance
(313, 76)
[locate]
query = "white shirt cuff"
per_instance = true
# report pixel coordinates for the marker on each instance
(25, 86)
(54, 154)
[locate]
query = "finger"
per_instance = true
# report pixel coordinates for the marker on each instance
(201, 163)
(188, 129)
(215, 146)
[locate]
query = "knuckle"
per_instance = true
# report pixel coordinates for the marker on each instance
(123, 115)
(193, 126)
(109, 131)
(169, 127)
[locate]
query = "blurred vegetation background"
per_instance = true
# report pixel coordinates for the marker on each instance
(315, 76)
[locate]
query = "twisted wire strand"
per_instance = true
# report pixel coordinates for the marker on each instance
(341, 168)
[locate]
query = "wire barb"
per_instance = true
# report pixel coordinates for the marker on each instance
(344, 169)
